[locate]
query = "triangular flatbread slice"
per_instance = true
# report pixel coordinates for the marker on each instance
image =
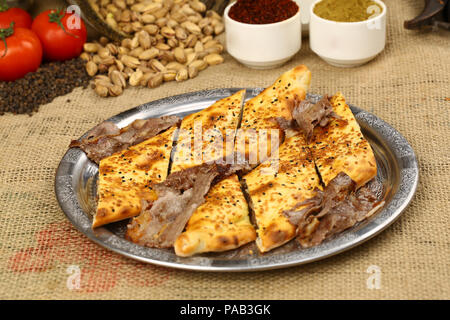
(341, 147)
(208, 135)
(221, 223)
(126, 177)
(286, 178)
(260, 131)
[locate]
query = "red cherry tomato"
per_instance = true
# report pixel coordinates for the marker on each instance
(20, 17)
(23, 53)
(62, 35)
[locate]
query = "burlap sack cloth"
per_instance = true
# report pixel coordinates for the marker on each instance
(407, 86)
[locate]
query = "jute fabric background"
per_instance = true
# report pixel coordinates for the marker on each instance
(407, 86)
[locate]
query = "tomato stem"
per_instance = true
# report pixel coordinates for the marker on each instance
(3, 6)
(56, 16)
(5, 33)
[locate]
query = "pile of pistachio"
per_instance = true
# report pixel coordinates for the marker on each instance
(169, 40)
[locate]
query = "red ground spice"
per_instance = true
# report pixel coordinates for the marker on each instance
(262, 11)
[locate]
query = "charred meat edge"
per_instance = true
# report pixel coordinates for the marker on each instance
(163, 220)
(306, 115)
(338, 207)
(106, 138)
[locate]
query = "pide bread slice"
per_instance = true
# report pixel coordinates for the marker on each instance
(285, 179)
(341, 147)
(221, 223)
(126, 177)
(260, 131)
(208, 135)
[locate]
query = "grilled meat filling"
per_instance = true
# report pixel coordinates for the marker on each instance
(107, 139)
(338, 207)
(162, 221)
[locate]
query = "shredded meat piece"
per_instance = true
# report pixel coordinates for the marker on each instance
(161, 222)
(104, 128)
(309, 115)
(338, 207)
(285, 124)
(106, 138)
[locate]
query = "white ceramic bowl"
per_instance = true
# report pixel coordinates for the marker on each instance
(347, 44)
(263, 46)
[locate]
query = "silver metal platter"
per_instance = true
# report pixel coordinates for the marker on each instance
(75, 187)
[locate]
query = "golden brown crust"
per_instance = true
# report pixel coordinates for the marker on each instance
(219, 120)
(260, 113)
(274, 190)
(126, 177)
(341, 147)
(221, 223)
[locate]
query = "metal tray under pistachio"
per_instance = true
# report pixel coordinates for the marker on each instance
(91, 15)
